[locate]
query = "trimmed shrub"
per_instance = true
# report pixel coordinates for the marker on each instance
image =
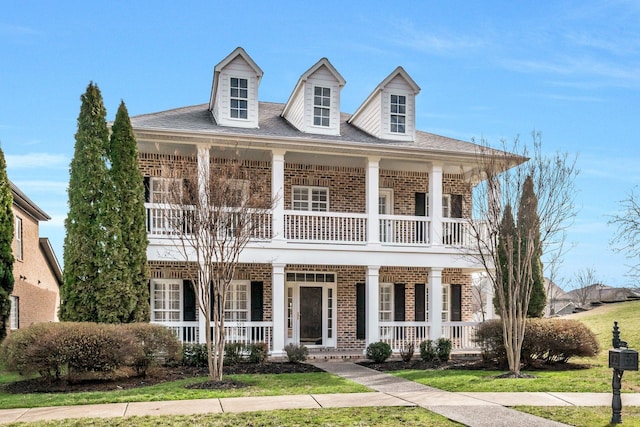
(258, 352)
(296, 353)
(378, 351)
(443, 349)
(195, 355)
(546, 340)
(427, 351)
(157, 345)
(406, 352)
(233, 353)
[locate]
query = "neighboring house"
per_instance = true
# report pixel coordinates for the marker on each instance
(599, 293)
(37, 274)
(559, 302)
(364, 241)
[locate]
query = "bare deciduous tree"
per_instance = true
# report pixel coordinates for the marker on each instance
(507, 256)
(583, 283)
(627, 237)
(212, 210)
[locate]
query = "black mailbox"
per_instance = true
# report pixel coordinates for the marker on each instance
(623, 359)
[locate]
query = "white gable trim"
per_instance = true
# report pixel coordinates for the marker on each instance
(222, 64)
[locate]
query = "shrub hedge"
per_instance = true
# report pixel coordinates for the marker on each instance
(378, 351)
(57, 349)
(546, 340)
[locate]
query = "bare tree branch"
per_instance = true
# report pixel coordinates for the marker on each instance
(626, 240)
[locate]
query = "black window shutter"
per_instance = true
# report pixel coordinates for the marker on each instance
(256, 301)
(421, 204)
(361, 312)
(147, 189)
(188, 301)
(456, 303)
(456, 206)
(398, 302)
(420, 313)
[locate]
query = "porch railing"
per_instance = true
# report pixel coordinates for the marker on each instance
(402, 229)
(186, 332)
(461, 334)
(399, 335)
(235, 332)
(333, 227)
(162, 220)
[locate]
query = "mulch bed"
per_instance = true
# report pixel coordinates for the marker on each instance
(419, 364)
(127, 380)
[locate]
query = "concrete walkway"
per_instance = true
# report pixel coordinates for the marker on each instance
(472, 409)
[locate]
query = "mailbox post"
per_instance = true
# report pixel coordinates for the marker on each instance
(621, 359)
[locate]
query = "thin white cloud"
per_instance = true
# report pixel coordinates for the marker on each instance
(17, 30)
(37, 160)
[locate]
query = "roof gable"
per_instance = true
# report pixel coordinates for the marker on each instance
(299, 109)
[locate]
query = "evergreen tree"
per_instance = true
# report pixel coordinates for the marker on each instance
(93, 288)
(6, 253)
(129, 190)
(506, 238)
(529, 228)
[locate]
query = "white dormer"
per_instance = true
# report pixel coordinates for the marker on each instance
(390, 111)
(314, 104)
(234, 93)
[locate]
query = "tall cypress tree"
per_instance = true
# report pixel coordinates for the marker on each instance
(529, 226)
(506, 239)
(93, 289)
(6, 253)
(129, 190)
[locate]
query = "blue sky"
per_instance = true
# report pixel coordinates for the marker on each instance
(490, 69)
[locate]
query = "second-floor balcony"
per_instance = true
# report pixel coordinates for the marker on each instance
(328, 227)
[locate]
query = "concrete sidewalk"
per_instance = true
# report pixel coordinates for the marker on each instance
(472, 409)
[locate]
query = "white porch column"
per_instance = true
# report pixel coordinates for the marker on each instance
(279, 312)
(372, 304)
(203, 169)
(373, 219)
(203, 183)
(277, 192)
(435, 303)
(435, 203)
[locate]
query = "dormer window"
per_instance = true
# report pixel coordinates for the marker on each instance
(398, 113)
(239, 98)
(321, 106)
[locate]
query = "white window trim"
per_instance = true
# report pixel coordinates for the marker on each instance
(309, 200)
(404, 115)
(390, 288)
(14, 316)
(446, 303)
(18, 236)
(322, 107)
(164, 191)
(180, 299)
(239, 98)
(446, 205)
(388, 193)
(231, 294)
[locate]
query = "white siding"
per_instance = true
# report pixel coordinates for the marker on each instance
(295, 115)
(238, 67)
(398, 86)
(369, 117)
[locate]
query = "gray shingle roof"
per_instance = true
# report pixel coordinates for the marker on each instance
(197, 119)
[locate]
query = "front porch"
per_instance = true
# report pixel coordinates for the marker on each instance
(399, 335)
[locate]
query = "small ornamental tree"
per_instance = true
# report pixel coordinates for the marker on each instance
(6, 253)
(129, 192)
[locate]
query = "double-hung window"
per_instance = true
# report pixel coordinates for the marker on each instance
(166, 301)
(18, 233)
(445, 303)
(314, 199)
(398, 113)
(321, 106)
(386, 302)
(239, 98)
(14, 316)
(165, 190)
(236, 308)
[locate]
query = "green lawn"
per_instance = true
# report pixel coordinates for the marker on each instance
(585, 416)
(259, 385)
(360, 417)
(595, 379)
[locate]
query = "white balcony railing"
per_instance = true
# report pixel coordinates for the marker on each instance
(327, 227)
(186, 332)
(401, 229)
(162, 220)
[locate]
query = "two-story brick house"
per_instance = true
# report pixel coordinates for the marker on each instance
(36, 271)
(364, 239)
